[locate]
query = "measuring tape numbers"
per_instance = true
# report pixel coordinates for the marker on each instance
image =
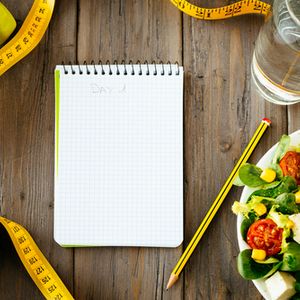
(29, 35)
(39, 269)
(35, 262)
(26, 39)
(236, 9)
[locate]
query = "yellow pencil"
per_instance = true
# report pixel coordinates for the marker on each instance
(265, 123)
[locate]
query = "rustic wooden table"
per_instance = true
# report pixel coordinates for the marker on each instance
(220, 113)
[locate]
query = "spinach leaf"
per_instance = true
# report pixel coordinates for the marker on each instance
(246, 223)
(249, 269)
(296, 296)
(279, 153)
(250, 175)
(274, 269)
(297, 277)
(291, 258)
(237, 181)
(287, 185)
(277, 169)
(270, 260)
(297, 287)
(271, 185)
(286, 204)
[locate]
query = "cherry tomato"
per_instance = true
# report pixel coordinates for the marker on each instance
(290, 165)
(266, 235)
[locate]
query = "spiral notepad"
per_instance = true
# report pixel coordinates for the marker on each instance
(119, 155)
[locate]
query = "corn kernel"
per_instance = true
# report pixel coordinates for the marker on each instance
(268, 175)
(260, 209)
(297, 195)
(258, 254)
(289, 224)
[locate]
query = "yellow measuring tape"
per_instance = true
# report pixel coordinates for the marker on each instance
(236, 9)
(29, 35)
(35, 262)
(39, 269)
(37, 21)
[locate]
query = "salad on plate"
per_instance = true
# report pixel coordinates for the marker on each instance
(269, 221)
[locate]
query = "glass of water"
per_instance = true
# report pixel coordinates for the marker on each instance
(276, 60)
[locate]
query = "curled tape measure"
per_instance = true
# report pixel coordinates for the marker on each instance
(29, 35)
(236, 9)
(39, 269)
(35, 262)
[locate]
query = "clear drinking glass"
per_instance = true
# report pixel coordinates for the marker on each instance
(276, 60)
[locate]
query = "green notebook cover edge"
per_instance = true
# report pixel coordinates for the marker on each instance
(57, 110)
(57, 106)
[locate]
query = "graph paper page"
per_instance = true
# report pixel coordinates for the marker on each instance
(119, 157)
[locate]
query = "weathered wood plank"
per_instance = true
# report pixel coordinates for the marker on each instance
(221, 113)
(294, 117)
(27, 147)
(129, 30)
(220, 117)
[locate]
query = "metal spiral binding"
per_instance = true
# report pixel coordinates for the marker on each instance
(109, 67)
(132, 68)
(102, 69)
(120, 68)
(148, 71)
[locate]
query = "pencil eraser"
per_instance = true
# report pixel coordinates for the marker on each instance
(266, 120)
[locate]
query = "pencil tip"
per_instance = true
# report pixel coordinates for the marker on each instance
(173, 278)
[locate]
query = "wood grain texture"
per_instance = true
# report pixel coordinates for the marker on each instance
(294, 118)
(27, 147)
(127, 30)
(220, 118)
(221, 113)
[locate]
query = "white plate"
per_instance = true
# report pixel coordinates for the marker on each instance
(264, 162)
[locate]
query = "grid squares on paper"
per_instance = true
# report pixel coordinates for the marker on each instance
(120, 170)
